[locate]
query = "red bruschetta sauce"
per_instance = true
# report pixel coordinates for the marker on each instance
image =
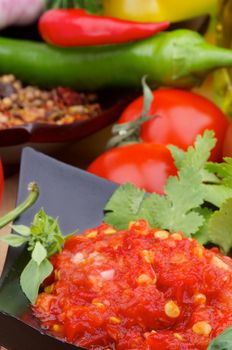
(137, 289)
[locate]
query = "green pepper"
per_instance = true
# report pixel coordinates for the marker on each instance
(181, 58)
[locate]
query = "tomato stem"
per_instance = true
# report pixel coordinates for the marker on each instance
(21, 208)
(130, 132)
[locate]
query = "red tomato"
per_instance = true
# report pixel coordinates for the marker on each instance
(182, 115)
(227, 149)
(1, 182)
(146, 165)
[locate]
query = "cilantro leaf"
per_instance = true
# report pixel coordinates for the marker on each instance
(217, 194)
(181, 208)
(223, 170)
(124, 206)
(220, 226)
(177, 154)
(181, 194)
(223, 341)
(173, 211)
(32, 277)
(202, 235)
(196, 156)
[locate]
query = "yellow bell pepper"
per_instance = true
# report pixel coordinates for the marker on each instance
(158, 10)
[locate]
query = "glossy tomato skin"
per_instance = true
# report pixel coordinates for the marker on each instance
(146, 165)
(227, 148)
(182, 115)
(1, 182)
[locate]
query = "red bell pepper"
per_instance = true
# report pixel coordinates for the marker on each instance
(75, 27)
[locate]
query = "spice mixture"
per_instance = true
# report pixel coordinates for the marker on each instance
(23, 105)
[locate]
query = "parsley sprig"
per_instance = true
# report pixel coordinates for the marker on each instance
(198, 201)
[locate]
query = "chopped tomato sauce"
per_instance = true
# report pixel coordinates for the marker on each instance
(140, 289)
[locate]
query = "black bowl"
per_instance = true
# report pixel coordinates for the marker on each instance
(78, 198)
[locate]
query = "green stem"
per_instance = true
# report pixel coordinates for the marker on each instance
(29, 201)
(129, 132)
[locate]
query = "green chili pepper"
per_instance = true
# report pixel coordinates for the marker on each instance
(180, 58)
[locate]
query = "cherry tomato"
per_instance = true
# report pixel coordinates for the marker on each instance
(227, 149)
(1, 182)
(182, 115)
(146, 165)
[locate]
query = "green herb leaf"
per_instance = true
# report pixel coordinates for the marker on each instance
(32, 277)
(21, 229)
(177, 154)
(196, 156)
(171, 212)
(39, 253)
(217, 194)
(124, 206)
(186, 195)
(46, 230)
(223, 341)
(14, 240)
(174, 211)
(223, 170)
(44, 239)
(202, 235)
(220, 226)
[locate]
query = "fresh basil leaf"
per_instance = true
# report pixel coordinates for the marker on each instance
(223, 341)
(14, 240)
(21, 229)
(39, 253)
(32, 277)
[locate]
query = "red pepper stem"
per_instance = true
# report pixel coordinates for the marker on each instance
(29, 201)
